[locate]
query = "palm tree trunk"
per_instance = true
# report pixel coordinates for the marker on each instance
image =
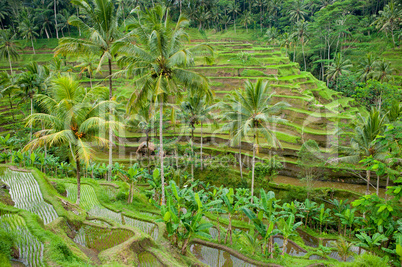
(304, 57)
(386, 187)
(192, 154)
(201, 146)
(55, 19)
(240, 163)
(47, 34)
(368, 182)
(30, 135)
(11, 105)
(252, 172)
(11, 67)
(33, 46)
(110, 127)
(77, 161)
(378, 185)
(161, 151)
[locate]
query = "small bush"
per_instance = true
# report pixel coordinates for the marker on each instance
(121, 196)
(61, 188)
(6, 243)
(368, 260)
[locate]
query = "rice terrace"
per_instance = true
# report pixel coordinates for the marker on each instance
(201, 133)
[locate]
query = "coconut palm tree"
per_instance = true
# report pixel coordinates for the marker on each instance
(389, 19)
(154, 52)
(362, 144)
(102, 27)
(144, 119)
(194, 110)
(297, 11)
(366, 67)
(8, 85)
(339, 67)
(87, 62)
(382, 71)
(28, 31)
(9, 47)
(247, 19)
(73, 118)
(301, 33)
(253, 113)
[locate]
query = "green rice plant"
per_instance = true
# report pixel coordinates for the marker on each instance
(26, 194)
(30, 248)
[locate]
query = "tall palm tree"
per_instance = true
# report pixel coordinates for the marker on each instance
(8, 85)
(366, 67)
(9, 47)
(34, 80)
(254, 113)
(144, 119)
(297, 11)
(155, 53)
(389, 19)
(382, 71)
(194, 111)
(339, 67)
(102, 28)
(28, 31)
(87, 62)
(286, 41)
(362, 144)
(73, 118)
(247, 19)
(301, 33)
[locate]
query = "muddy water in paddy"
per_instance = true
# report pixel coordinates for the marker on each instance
(345, 186)
(217, 257)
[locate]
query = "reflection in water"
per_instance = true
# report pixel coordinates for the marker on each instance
(291, 248)
(309, 240)
(345, 186)
(146, 227)
(217, 257)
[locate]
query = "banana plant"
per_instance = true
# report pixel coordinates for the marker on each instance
(103, 170)
(347, 218)
(323, 217)
(133, 174)
(4, 157)
(217, 209)
(5, 142)
(288, 228)
(339, 207)
(154, 181)
(232, 207)
(64, 166)
(310, 208)
(370, 242)
(250, 240)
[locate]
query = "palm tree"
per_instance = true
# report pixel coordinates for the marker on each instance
(362, 144)
(160, 61)
(301, 27)
(8, 84)
(389, 19)
(234, 9)
(286, 41)
(87, 62)
(253, 113)
(73, 118)
(8, 47)
(102, 28)
(194, 110)
(383, 71)
(34, 80)
(344, 248)
(247, 19)
(145, 120)
(43, 20)
(288, 228)
(297, 11)
(28, 30)
(339, 67)
(366, 67)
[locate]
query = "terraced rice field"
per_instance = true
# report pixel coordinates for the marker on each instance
(90, 202)
(146, 259)
(26, 194)
(29, 247)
